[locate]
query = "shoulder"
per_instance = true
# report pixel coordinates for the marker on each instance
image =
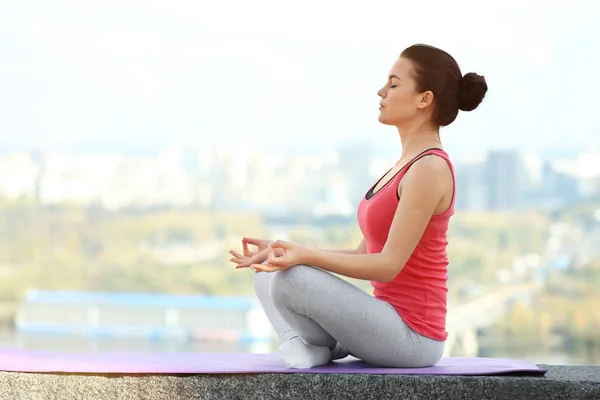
(430, 175)
(429, 168)
(433, 161)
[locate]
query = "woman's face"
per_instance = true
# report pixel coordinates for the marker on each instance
(400, 101)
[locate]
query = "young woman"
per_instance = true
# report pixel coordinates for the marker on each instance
(404, 218)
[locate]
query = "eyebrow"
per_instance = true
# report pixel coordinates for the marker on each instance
(394, 76)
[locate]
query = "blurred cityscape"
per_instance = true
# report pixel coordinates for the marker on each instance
(89, 239)
(279, 183)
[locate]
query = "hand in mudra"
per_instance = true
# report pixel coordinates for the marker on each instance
(282, 255)
(261, 244)
(250, 257)
(243, 261)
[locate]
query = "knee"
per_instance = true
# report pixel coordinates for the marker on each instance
(261, 281)
(289, 283)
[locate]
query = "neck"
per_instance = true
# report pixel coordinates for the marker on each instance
(415, 141)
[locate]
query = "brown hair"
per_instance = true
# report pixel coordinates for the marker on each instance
(438, 71)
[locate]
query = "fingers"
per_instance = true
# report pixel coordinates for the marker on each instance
(277, 257)
(245, 248)
(258, 258)
(237, 257)
(236, 254)
(245, 262)
(248, 240)
(271, 257)
(266, 267)
(240, 260)
(275, 253)
(278, 244)
(253, 241)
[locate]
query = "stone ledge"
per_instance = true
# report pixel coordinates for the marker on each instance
(561, 382)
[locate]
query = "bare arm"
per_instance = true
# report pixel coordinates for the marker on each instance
(423, 188)
(261, 256)
(360, 249)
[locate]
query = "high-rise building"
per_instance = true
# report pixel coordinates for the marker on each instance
(503, 179)
(354, 160)
(470, 186)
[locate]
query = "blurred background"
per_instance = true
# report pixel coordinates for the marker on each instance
(140, 140)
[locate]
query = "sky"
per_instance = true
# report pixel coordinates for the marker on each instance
(152, 73)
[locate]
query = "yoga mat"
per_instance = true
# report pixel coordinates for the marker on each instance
(18, 360)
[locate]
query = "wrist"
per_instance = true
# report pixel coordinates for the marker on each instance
(308, 256)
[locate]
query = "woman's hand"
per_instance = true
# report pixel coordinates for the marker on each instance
(245, 261)
(262, 245)
(282, 255)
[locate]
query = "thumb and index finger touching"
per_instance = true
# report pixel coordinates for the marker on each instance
(277, 252)
(248, 240)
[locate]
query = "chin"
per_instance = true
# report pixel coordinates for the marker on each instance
(385, 121)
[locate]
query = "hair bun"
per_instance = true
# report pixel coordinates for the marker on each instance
(472, 91)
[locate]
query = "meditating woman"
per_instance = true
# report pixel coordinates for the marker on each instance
(404, 219)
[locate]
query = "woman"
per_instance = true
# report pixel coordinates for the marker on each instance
(404, 219)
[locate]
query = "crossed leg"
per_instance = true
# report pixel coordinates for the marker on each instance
(316, 313)
(294, 351)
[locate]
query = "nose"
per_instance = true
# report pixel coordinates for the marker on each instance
(381, 92)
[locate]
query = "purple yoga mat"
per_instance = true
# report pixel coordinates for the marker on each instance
(18, 360)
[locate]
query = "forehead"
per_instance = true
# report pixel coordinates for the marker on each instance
(402, 68)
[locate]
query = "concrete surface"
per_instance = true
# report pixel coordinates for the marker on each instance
(561, 382)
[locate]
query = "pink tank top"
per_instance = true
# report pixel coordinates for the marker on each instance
(418, 293)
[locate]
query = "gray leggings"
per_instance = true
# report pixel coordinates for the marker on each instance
(325, 310)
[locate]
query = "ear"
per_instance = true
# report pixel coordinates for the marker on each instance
(426, 100)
